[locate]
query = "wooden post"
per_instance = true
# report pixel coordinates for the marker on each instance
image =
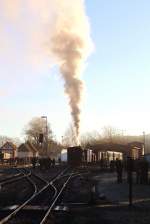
(130, 179)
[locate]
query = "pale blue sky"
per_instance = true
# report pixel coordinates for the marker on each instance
(116, 77)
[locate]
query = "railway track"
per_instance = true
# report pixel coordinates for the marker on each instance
(12, 178)
(17, 189)
(57, 204)
(30, 210)
(59, 194)
(37, 182)
(20, 174)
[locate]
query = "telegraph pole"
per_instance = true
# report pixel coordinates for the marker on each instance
(46, 134)
(144, 142)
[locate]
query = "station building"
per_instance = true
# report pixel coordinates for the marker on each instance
(8, 150)
(27, 150)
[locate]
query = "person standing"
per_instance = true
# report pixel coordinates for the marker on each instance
(119, 170)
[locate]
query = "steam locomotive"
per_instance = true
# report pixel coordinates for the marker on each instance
(75, 156)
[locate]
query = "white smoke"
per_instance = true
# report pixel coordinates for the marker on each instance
(70, 43)
(62, 28)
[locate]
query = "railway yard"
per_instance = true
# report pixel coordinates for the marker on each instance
(41, 196)
(60, 194)
(74, 192)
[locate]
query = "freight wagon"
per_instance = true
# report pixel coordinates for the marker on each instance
(74, 156)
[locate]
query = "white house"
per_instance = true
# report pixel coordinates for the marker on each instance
(27, 150)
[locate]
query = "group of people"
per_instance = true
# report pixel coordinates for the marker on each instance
(44, 163)
(139, 167)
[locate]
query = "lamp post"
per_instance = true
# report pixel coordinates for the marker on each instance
(62, 140)
(46, 134)
(144, 142)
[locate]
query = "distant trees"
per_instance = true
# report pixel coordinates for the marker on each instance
(69, 138)
(4, 139)
(93, 137)
(109, 135)
(112, 135)
(115, 135)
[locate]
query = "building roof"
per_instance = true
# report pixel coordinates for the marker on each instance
(27, 147)
(115, 147)
(109, 147)
(8, 146)
(136, 144)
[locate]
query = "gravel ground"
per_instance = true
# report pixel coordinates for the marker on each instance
(14, 193)
(78, 191)
(106, 184)
(114, 204)
(111, 203)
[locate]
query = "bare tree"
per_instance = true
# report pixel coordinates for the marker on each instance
(90, 138)
(35, 127)
(4, 139)
(113, 135)
(16, 141)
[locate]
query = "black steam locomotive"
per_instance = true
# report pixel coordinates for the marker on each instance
(74, 156)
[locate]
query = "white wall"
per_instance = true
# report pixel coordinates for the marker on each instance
(24, 154)
(64, 155)
(147, 144)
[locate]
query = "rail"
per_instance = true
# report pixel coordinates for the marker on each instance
(35, 194)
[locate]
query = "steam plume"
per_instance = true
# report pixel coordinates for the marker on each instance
(70, 43)
(68, 39)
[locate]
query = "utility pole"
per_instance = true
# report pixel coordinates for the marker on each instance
(130, 180)
(144, 142)
(62, 140)
(46, 134)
